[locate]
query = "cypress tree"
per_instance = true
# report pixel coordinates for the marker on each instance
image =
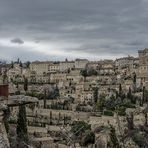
(120, 90)
(18, 61)
(45, 98)
(130, 121)
(25, 84)
(20, 64)
(84, 73)
(95, 94)
(114, 143)
(27, 64)
(22, 134)
(134, 78)
(5, 119)
(146, 116)
(130, 96)
(50, 117)
(12, 64)
(143, 95)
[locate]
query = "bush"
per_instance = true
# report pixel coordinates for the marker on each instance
(89, 138)
(121, 111)
(138, 139)
(79, 127)
(108, 113)
(12, 121)
(128, 105)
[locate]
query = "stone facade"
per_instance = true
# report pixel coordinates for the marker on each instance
(143, 65)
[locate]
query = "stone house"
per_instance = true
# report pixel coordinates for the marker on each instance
(80, 63)
(66, 65)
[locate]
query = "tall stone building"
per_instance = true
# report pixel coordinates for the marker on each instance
(40, 67)
(124, 62)
(143, 66)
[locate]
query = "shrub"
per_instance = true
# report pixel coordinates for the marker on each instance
(108, 113)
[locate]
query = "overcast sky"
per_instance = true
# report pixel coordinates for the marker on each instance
(56, 29)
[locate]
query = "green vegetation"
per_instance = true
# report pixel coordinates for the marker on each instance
(6, 118)
(100, 102)
(83, 72)
(51, 118)
(52, 95)
(113, 143)
(121, 111)
(108, 113)
(25, 84)
(145, 93)
(12, 64)
(22, 134)
(89, 138)
(138, 138)
(83, 133)
(120, 90)
(95, 94)
(134, 78)
(34, 94)
(80, 127)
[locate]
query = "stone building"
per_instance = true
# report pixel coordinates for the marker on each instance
(40, 67)
(65, 65)
(54, 67)
(125, 62)
(143, 66)
(14, 72)
(80, 63)
(57, 77)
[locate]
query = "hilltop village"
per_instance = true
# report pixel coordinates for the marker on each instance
(80, 103)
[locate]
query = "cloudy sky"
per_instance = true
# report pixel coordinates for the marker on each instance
(56, 29)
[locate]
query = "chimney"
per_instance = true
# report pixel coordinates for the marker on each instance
(4, 90)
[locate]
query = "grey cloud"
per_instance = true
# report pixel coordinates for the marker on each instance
(17, 41)
(122, 24)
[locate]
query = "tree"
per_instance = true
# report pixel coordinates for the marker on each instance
(12, 64)
(65, 119)
(145, 111)
(100, 103)
(89, 138)
(130, 96)
(22, 134)
(83, 72)
(27, 64)
(146, 118)
(120, 90)
(80, 127)
(139, 139)
(50, 117)
(17, 85)
(114, 143)
(68, 71)
(25, 84)
(91, 72)
(56, 92)
(20, 64)
(95, 94)
(143, 96)
(45, 98)
(5, 119)
(117, 94)
(146, 96)
(59, 117)
(134, 78)
(130, 121)
(18, 61)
